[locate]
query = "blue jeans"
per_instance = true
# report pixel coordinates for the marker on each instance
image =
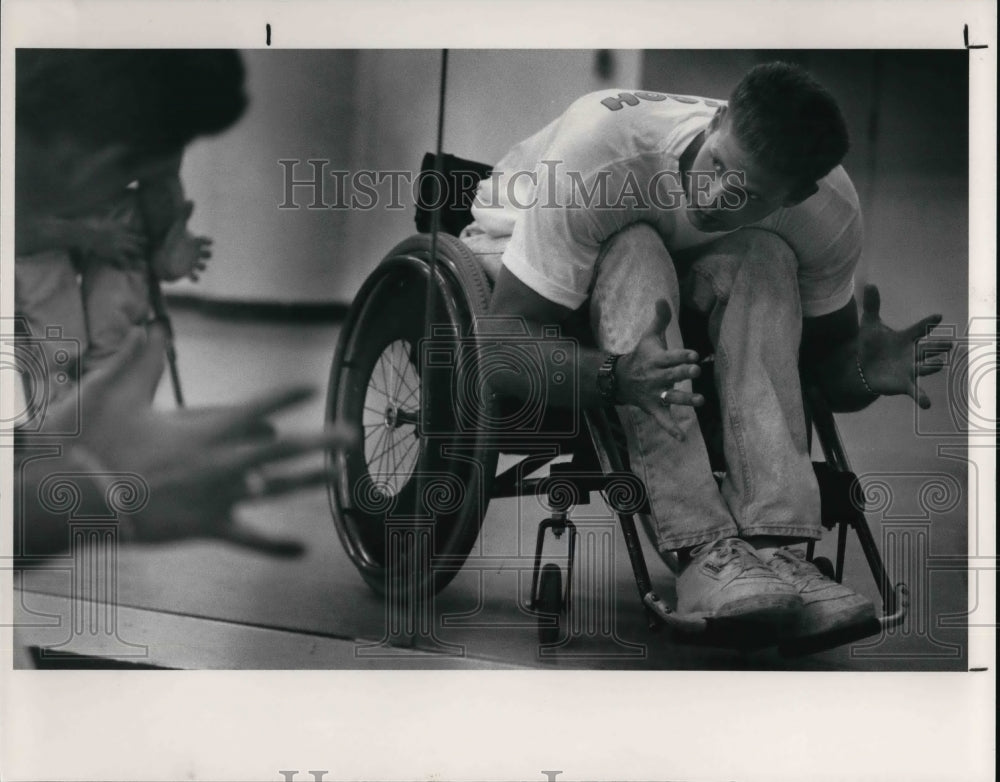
(745, 285)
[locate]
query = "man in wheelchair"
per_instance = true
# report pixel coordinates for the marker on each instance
(734, 220)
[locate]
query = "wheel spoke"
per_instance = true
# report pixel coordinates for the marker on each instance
(402, 377)
(393, 466)
(378, 444)
(376, 403)
(390, 467)
(381, 454)
(397, 374)
(390, 371)
(393, 390)
(412, 394)
(372, 457)
(375, 391)
(415, 390)
(385, 376)
(414, 441)
(373, 387)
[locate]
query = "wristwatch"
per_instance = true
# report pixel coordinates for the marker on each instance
(607, 384)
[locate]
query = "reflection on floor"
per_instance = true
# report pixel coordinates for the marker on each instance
(202, 604)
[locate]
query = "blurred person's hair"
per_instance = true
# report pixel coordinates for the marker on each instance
(788, 121)
(152, 101)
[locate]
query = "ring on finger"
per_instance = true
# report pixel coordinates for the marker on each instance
(663, 397)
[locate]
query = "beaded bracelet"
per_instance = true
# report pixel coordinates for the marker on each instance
(861, 374)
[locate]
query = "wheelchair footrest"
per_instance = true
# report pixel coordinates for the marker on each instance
(856, 632)
(830, 640)
(901, 603)
(679, 622)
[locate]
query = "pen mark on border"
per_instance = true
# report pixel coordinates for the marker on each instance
(965, 37)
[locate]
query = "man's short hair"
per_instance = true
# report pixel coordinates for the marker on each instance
(153, 101)
(788, 121)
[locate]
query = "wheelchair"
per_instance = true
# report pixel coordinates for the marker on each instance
(410, 372)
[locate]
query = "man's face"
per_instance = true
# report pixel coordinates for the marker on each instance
(727, 188)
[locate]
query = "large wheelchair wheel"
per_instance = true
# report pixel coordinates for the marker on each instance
(423, 461)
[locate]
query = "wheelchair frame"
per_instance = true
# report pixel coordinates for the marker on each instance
(597, 462)
(598, 456)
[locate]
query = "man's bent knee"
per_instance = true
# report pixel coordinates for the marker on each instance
(636, 238)
(768, 254)
(634, 271)
(752, 260)
(758, 252)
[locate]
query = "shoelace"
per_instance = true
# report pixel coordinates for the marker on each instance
(735, 548)
(797, 563)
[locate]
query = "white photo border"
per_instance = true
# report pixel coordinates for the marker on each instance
(508, 725)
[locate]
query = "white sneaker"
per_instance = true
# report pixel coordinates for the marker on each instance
(827, 607)
(726, 579)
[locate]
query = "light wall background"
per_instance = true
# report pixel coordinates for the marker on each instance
(368, 109)
(377, 109)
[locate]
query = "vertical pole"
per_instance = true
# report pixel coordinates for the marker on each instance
(162, 316)
(408, 556)
(430, 313)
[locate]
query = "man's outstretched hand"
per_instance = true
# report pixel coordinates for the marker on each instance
(892, 361)
(197, 464)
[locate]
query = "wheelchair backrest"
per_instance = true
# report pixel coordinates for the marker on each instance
(450, 193)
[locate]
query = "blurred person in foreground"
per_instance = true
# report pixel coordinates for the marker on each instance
(89, 124)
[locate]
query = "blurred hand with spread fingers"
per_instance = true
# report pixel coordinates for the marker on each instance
(196, 464)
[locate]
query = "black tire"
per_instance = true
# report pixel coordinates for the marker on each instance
(376, 384)
(825, 566)
(549, 605)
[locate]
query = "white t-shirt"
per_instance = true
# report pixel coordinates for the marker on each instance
(612, 159)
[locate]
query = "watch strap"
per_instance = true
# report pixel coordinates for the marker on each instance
(607, 384)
